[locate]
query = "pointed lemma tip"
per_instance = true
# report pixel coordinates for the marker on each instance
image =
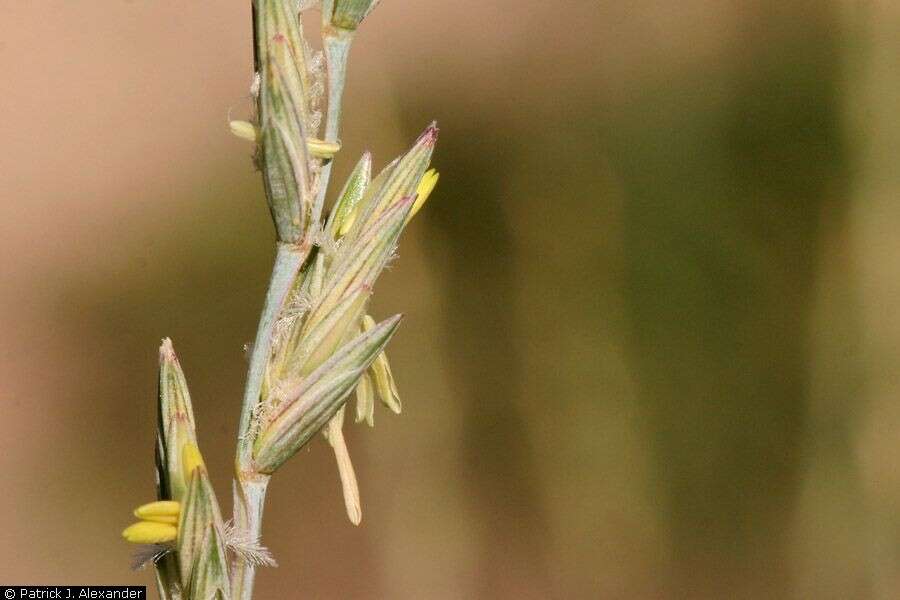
(430, 135)
(166, 350)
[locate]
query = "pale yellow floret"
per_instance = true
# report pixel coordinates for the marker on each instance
(426, 186)
(146, 532)
(190, 459)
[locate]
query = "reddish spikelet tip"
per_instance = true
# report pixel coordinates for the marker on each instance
(430, 135)
(167, 351)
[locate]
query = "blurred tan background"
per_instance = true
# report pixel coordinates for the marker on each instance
(652, 344)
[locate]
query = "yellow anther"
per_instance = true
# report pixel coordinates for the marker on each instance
(190, 459)
(245, 130)
(426, 186)
(321, 148)
(318, 148)
(160, 508)
(145, 532)
(166, 520)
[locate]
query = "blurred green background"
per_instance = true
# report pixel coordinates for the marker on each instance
(652, 337)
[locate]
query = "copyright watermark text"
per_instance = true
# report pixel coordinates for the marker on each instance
(73, 592)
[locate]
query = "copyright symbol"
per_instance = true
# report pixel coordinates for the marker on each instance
(9, 593)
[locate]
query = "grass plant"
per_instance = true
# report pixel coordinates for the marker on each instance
(316, 343)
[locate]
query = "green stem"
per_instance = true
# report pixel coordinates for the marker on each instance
(336, 43)
(288, 260)
(249, 496)
(250, 487)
